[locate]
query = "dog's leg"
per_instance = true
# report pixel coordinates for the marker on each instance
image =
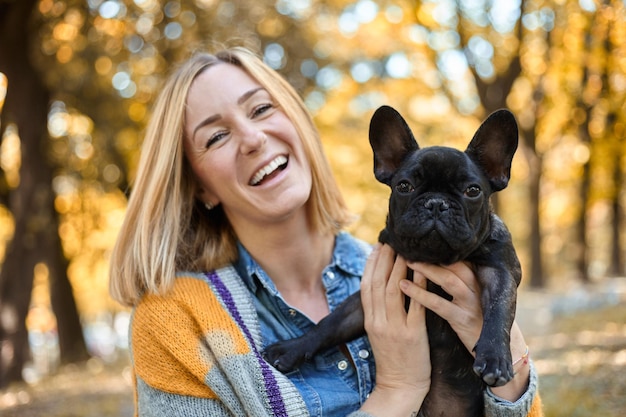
(498, 299)
(493, 354)
(499, 273)
(339, 327)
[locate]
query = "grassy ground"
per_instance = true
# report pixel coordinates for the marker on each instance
(582, 365)
(581, 361)
(91, 389)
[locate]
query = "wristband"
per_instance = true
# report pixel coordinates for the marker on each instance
(523, 359)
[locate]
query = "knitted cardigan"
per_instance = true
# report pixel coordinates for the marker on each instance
(196, 351)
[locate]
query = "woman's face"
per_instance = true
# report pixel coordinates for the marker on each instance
(245, 152)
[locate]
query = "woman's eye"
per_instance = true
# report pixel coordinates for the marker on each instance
(405, 187)
(215, 138)
(263, 108)
(473, 191)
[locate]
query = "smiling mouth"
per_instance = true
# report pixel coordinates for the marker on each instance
(276, 165)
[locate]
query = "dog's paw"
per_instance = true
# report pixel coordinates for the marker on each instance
(285, 356)
(494, 370)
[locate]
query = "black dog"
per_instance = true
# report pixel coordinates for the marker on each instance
(439, 212)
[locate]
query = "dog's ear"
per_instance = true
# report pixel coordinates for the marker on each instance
(391, 140)
(493, 147)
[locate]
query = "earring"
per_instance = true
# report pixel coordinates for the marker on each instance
(209, 206)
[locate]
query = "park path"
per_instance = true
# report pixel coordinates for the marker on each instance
(539, 311)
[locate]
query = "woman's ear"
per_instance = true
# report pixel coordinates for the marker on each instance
(209, 200)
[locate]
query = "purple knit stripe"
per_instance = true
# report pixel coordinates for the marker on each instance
(271, 385)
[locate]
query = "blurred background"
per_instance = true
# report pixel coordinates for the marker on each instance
(77, 81)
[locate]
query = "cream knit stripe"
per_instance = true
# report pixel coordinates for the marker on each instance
(282, 397)
(495, 407)
(157, 403)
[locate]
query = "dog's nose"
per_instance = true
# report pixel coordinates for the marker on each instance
(436, 204)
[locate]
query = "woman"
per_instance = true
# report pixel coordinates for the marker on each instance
(233, 240)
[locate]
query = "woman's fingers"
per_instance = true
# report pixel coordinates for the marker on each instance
(457, 279)
(398, 338)
(464, 311)
(394, 298)
(375, 284)
(380, 284)
(417, 313)
(384, 267)
(366, 281)
(419, 293)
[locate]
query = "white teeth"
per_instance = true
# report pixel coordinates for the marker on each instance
(268, 169)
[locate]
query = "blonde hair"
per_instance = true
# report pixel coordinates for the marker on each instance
(166, 228)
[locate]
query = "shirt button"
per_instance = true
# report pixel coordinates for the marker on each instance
(330, 275)
(342, 365)
(292, 312)
(364, 354)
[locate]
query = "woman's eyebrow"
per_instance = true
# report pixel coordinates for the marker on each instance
(247, 95)
(205, 122)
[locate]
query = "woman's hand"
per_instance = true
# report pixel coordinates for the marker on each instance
(464, 313)
(398, 338)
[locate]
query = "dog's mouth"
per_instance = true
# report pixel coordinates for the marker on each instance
(269, 171)
(430, 247)
(433, 240)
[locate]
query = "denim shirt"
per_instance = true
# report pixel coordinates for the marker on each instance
(331, 383)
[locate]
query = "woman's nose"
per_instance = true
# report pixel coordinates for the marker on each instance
(252, 140)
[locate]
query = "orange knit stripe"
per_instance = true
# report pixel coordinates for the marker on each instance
(536, 409)
(174, 357)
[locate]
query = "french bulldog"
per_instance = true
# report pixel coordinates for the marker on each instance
(440, 213)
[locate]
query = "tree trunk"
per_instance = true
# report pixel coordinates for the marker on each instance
(70, 331)
(616, 266)
(36, 236)
(581, 225)
(535, 161)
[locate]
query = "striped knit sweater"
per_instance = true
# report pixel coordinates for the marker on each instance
(196, 351)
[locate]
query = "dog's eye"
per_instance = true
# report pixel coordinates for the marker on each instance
(473, 191)
(405, 187)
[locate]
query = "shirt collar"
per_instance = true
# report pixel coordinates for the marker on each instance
(247, 267)
(349, 255)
